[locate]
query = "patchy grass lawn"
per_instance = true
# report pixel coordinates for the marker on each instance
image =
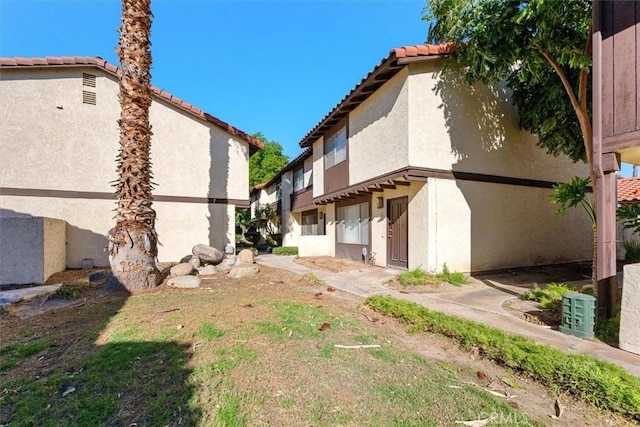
(419, 277)
(259, 351)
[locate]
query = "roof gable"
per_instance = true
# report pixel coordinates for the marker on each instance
(74, 61)
(388, 67)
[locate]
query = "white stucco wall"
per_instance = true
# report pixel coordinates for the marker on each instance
(312, 246)
(378, 131)
(50, 140)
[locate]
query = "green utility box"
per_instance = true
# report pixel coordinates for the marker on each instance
(578, 315)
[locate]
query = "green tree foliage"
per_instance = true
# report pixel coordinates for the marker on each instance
(266, 163)
(541, 49)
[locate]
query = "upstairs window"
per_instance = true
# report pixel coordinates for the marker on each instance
(335, 148)
(298, 179)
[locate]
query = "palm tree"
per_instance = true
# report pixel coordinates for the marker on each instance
(133, 241)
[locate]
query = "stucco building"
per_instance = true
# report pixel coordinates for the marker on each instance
(59, 141)
(422, 170)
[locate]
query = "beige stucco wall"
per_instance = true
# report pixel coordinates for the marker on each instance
(476, 226)
(54, 254)
(378, 131)
(312, 245)
(50, 140)
(318, 167)
(453, 126)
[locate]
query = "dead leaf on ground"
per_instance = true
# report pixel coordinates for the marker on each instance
(476, 423)
(481, 375)
(331, 289)
(318, 295)
(324, 326)
(248, 305)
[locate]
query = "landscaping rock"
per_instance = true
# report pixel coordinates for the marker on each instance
(207, 270)
(194, 261)
(186, 258)
(240, 271)
(226, 264)
(183, 269)
(207, 254)
(184, 282)
(245, 257)
(8, 298)
(98, 277)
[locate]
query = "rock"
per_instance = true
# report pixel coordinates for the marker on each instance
(207, 270)
(226, 264)
(184, 282)
(98, 277)
(207, 254)
(194, 261)
(183, 269)
(245, 257)
(240, 271)
(186, 258)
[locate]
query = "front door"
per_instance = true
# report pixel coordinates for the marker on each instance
(397, 232)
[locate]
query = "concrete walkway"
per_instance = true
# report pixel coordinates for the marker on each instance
(481, 303)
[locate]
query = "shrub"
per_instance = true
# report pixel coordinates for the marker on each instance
(550, 297)
(600, 383)
(285, 250)
(419, 277)
(631, 251)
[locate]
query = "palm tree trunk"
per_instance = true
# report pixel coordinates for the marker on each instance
(133, 241)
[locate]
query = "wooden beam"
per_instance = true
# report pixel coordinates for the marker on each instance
(387, 186)
(405, 183)
(375, 189)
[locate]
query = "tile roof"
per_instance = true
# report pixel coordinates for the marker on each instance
(65, 61)
(381, 73)
(628, 190)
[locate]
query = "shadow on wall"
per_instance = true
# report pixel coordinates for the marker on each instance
(80, 243)
(220, 146)
(112, 386)
(478, 108)
(508, 225)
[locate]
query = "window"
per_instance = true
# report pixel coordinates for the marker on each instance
(298, 179)
(336, 148)
(310, 223)
(353, 224)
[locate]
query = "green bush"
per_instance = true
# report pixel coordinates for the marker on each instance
(631, 251)
(599, 383)
(419, 277)
(549, 297)
(285, 250)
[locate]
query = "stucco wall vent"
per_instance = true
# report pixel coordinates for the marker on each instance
(88, 80)
(88, 97)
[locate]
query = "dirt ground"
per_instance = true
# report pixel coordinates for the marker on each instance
(69, 321)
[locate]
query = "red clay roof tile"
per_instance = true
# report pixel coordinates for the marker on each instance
(628, 190)
(101, 63)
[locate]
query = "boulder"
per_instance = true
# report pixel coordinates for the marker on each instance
(207, 254)
(186, 258)
(240, 271)
(184, 282)
(245, 257)
(207, 270)
(183, 269)
(194, 261)
(226, 264)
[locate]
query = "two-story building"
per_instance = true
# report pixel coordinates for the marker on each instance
(59, 139)
(421, 169)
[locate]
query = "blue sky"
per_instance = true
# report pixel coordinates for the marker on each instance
(265, 65)
(272, 66)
